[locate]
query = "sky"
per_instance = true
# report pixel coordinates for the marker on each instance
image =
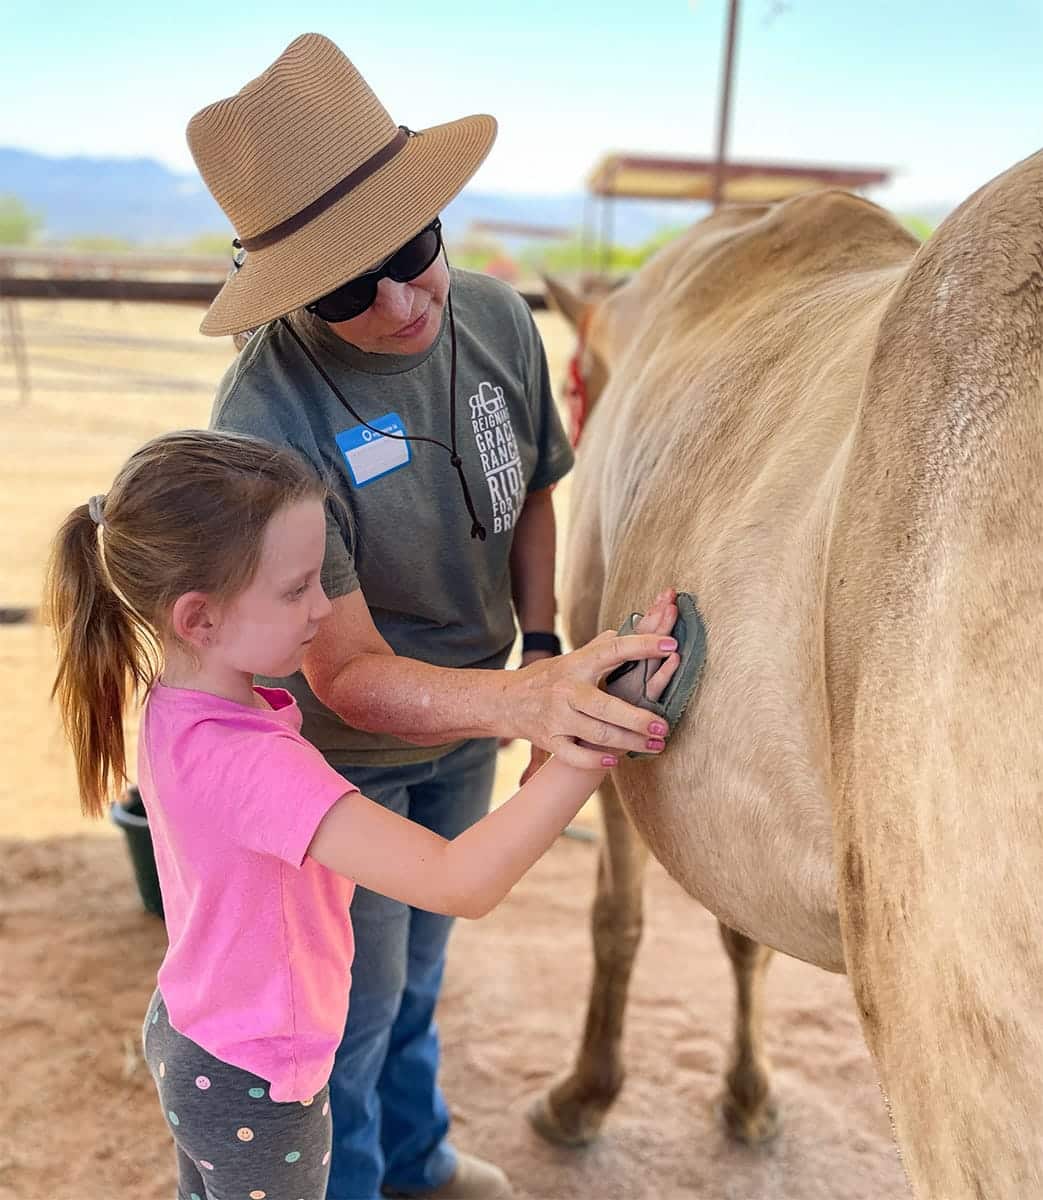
(948, 93)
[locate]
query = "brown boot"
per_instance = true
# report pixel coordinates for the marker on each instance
(473, 1179)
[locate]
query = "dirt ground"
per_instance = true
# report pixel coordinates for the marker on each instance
(78, 1116)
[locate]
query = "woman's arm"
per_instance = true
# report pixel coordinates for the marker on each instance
(532, 563)
(354, 672)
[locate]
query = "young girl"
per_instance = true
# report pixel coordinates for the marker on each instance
(199, 570)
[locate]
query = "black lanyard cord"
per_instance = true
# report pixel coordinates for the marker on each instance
(477, 528)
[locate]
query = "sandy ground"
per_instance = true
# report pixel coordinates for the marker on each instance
(78, 1116)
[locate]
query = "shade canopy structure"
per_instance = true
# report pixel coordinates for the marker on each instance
(655, 177)
(629, 176)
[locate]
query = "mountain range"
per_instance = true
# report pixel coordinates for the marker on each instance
(146, 203)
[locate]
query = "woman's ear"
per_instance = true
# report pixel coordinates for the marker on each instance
(194, 619)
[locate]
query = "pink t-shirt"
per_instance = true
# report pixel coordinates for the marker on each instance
(258, 967)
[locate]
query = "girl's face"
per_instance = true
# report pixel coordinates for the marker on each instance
(265, 629)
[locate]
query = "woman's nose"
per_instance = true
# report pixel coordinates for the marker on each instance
(394, 300)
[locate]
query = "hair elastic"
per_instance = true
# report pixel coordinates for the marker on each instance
(96, 507)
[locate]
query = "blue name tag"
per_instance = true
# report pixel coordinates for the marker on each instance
(369, 455)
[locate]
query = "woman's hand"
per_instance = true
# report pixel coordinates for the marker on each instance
(557, 702)
(527, 659)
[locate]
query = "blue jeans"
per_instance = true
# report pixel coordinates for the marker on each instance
(390, 1119)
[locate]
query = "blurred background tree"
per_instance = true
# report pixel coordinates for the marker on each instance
(570, 256)
(101, 243)
(217, 245)
(918, 225)
(19, 225)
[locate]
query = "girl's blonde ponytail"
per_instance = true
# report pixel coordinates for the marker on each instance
(102, 658)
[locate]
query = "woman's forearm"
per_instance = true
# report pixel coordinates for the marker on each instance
(418, 702)
(428, 705)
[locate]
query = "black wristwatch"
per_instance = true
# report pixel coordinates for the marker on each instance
(549, 642)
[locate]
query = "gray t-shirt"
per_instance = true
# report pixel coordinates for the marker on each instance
(435, 593)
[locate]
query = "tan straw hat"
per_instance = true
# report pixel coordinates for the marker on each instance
(318, 181)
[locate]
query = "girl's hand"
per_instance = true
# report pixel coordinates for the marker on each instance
(660, 619)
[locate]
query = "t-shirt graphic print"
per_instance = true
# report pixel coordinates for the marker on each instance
(498, 450)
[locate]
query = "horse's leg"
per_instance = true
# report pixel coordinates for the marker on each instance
(572, 1112)
(748, 1105)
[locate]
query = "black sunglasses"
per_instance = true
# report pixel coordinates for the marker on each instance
(352, 299)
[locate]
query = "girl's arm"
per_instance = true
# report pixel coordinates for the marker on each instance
(465, 877)
(471, 874)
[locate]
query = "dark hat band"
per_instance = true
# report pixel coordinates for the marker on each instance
(331, 196)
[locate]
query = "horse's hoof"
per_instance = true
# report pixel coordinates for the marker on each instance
(545, 1121)
(757, 1128)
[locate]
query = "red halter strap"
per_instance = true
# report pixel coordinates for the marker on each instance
(576, 385)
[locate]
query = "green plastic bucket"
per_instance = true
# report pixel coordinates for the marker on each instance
(130, 816)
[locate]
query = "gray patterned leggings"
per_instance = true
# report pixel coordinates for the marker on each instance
(232, 1141)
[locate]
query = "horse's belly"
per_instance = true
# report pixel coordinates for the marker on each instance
(739, 808)
(743, 824)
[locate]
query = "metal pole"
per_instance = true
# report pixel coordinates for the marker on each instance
(16, 341)
(725, 105)
(607, 234)
(586, 235)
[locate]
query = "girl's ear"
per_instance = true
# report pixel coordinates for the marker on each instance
(194, 619)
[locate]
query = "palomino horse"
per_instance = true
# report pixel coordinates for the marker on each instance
(832, 435)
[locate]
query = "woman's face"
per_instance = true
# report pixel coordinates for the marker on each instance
(404, 318)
